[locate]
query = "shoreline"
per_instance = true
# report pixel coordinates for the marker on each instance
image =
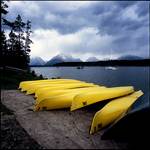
(11, 77)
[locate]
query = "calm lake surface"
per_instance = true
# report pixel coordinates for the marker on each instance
(108, 76)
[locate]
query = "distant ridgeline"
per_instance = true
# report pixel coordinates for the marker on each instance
(142, 62)
(63, 60)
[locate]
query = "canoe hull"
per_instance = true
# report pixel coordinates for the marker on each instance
(113, 111)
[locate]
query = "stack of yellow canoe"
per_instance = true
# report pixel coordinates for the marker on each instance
(74, 94)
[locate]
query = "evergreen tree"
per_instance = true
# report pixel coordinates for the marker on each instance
(3, 8)
(18, 27)
(4, 49)
(15, 50)
(11, 56)
(28, 41)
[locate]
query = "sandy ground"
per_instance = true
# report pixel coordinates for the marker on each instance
(57, 129)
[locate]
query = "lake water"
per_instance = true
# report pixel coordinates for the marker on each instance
(108, 76)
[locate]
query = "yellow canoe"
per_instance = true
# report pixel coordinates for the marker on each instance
(47, 95)
(48, 90)
(24, 83)
(115, 109)
(65, 100)
(60, 101)
(57, 86)
(56, 102)
(86, 99)
(29, 86)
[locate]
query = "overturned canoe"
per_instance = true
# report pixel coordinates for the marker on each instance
(113, 111)
(56, 102)
(36, 81)
(65, 100)
(25, 84)
(57, 86)
(86, 99)
(60, 101)
(48, 90)
(50, 83)
(49, 95)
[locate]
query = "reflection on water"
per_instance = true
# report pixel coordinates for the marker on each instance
(108, 76)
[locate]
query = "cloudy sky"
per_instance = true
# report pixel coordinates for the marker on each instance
(85, 28)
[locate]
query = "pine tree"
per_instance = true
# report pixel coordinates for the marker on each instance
(3, 8)
(15, 50)
(19, 42)
(4, 49)
(28, 41)
(18, 29)
(12, 49)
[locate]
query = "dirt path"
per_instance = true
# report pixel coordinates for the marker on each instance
(55, 129)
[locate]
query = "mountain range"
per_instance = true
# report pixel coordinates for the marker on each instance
(38, 61)
(62, 58)
(130, 57)
(91, 59)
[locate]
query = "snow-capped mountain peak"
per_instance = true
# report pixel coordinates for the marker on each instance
(37, 61)
(62, 58)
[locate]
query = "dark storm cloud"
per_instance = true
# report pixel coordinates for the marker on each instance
(127, 22)
(103, 15)
(142, 8)
(114, 23)
(125, 4)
